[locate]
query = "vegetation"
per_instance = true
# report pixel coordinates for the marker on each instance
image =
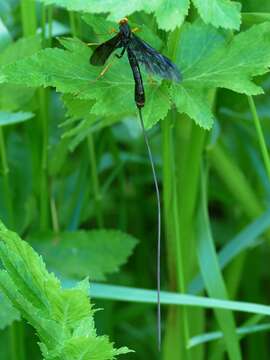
(76, 183)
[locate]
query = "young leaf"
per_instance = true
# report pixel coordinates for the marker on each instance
(220, 13)
(215, 61)
(62, 318)
(94, 253)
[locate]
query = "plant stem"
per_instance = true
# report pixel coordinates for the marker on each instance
(28, 15)
(72, 20)
(50, 24)
(263, 147)
(44, 193)
(95, 181)
(6, 187)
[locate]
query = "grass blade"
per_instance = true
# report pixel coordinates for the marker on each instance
(212, 275)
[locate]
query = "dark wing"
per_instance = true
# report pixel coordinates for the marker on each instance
(104, 50)
(153, 61)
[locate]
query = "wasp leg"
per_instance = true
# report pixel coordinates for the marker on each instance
(122, 53)
(151, 81)
(136, 29)
(92, 44)
(103, 72)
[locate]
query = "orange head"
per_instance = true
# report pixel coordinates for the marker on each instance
(123, 21)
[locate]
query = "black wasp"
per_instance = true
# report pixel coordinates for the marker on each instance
(139, 52)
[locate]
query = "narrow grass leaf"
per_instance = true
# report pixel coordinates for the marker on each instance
(241, 242)
(124, 293)
(212, 275)
(216, 335)
(9, 118)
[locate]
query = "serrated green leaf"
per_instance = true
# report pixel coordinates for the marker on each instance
(94, 253)
(215, 61)
(116, 9)
(8, 313)
(171, 13)
(63, 318)
(220, 13)
(8, 118)
(13, 97)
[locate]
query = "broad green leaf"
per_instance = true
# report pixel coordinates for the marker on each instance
(216, 61)
(20, 49)
(8, 313)
(212, 275)
(94, 253)
(116, 9)
(69, 71)
(62, 318)
(13, 97)
(8, 118)
(223, 13)
(171, 13)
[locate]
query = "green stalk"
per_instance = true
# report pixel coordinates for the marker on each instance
(29, 23)
(15, 338)
(180, 186)
(44, 192)
(177, 318)
(95, 181)
(262, 144)
(90, 144)
(43, 23)
(72, 20)
(29, 26)
(50, 24)
(28, 15)
(6, 184)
